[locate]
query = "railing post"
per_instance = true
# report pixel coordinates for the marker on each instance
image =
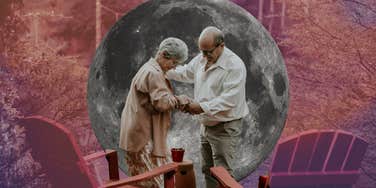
(169, 180)
(113, 167)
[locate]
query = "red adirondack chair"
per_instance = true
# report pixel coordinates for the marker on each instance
(57, 150)
(316, 158)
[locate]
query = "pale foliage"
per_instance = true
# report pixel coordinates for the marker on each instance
(331, 60)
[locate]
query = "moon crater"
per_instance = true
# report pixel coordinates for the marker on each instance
(135, 38)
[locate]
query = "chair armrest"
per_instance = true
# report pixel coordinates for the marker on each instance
(97, 155)
(224, 178)
(167, 169)
(112, 159)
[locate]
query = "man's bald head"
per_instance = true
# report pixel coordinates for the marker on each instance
(211, 43)
(211, 35)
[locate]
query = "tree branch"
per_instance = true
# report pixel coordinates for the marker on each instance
(316, 82)
(363, 65)
(362, 4)
(323, 29)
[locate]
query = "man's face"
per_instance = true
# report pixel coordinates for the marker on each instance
(210, 51)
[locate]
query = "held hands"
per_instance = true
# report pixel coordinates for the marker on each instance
(194, 108)
(187, 105)
(183, 100)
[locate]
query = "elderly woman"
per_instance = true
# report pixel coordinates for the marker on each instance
(147, 112)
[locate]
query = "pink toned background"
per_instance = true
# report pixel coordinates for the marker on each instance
(46, 48)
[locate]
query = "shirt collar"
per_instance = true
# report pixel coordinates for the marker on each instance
(155, 64)
(221, 61)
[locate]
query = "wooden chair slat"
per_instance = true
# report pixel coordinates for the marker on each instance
(283, 156)
(338, 153)
(356, 154)
(321, 151)
(304, 151)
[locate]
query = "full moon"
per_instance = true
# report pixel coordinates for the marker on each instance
(135, 38)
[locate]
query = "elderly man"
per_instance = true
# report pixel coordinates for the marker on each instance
(146, 115)
(219, 78)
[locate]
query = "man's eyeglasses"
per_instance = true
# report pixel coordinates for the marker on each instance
(209, 52)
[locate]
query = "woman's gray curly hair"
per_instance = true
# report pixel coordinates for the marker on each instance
(174, 48)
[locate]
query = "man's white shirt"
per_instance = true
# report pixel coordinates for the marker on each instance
(220, 90)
